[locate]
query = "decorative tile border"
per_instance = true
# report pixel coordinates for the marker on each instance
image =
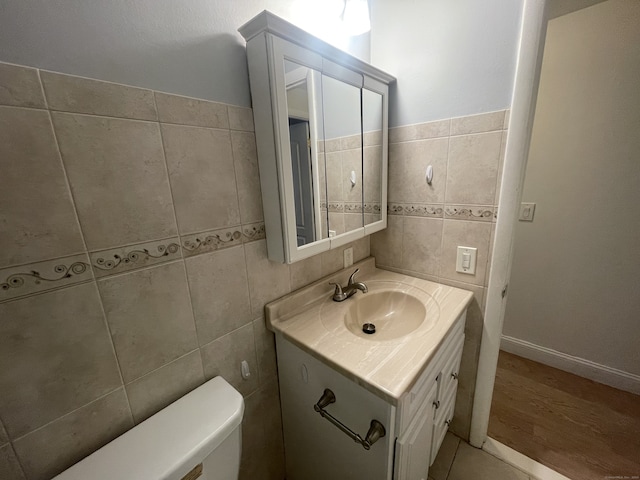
(253, 232)
(481, 213)
(335, 207)
(124, 259)
(395, 209)
(39, 277)
(415, 210)
(210, 241)
(374, 208)
(433, 211)
(352, 207)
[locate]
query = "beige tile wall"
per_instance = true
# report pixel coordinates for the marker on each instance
(427, 223)
(351, 205)
(133, 267)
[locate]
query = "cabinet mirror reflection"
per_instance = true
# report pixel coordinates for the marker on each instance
(304, 109)
(335, 139)
(343, 154)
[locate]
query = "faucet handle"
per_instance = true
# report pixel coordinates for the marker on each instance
(338, 295)
(352, 277)
(338, 290)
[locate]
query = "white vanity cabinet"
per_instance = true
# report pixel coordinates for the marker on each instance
(415, 423)
(425, 412)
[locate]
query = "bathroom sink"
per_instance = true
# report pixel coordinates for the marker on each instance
(389, 312)
(393, 314)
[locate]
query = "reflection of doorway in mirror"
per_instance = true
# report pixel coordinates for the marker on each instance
(302, 180)
(304, 106)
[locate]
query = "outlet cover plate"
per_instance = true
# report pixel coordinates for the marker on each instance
(348, 257)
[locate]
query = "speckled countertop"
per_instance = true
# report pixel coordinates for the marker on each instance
(312, 321)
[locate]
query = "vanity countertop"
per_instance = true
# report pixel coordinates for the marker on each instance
(386, 368)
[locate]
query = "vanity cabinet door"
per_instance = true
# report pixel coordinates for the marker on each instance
(413, 448)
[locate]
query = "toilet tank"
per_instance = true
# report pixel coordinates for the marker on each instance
(196, 437)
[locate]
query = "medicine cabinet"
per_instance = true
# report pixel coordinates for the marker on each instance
(321, 119)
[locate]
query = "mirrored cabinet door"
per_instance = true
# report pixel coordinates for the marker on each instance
(372, 155)
(343, 155)
(305, 122)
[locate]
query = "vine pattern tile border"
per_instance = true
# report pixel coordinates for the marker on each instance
(39, 277)
(211, 240)
(124, 259)
(432, 211)
(481, 213)
(478, 213)
(253, 232)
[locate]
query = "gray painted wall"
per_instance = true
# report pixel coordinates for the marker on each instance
(190, 48)
(451, 57)
(574, 286)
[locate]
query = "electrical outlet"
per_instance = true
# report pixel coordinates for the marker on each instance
(348, 257)
(466, 260)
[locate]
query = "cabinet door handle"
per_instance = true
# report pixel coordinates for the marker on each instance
(454, 375)
(448, 422)
(436, 404)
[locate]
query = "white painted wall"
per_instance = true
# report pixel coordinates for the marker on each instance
(574, 285)
(186, 47)
(451, 57)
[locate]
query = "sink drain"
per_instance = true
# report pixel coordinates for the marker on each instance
(369, 328)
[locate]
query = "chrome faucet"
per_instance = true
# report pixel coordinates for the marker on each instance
(341, 294)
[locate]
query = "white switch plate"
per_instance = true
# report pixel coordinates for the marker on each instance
(469, 254)
(526, 212)
(348, 257)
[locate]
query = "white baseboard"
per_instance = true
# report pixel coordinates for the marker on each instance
(578, 366)
(529, 466)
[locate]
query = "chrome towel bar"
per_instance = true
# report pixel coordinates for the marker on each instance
(376, 429)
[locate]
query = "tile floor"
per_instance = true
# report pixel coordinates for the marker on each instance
(457, 460)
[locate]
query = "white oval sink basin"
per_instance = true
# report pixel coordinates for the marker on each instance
(394, 314)
(397, 310)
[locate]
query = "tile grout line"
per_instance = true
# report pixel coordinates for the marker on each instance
(190, 352)
(455, 454)
(50, 290)
(233, 161)
(113, 349)
(166, 171)
(68, 184)
(15, 455)
(94, 281)
(64, 415)
(175, 218)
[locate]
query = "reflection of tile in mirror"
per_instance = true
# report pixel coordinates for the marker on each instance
(352, 175)
(372, 176)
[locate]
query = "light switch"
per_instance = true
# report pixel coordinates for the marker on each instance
(526, 212)
(466, 260)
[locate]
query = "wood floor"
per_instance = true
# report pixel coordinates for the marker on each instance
(582, 429)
